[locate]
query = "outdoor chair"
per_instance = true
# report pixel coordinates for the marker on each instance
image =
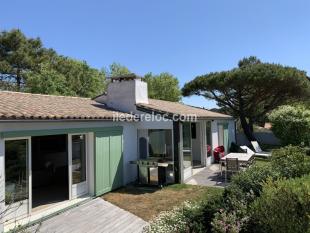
(234, 148)
(248, 150)
(258, 151)
(218, 153)
(232, 166)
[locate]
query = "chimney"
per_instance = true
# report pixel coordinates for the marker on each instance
(124, 92)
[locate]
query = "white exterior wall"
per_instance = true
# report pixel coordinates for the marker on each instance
(123, 95)
(129, 138)
(157, 124)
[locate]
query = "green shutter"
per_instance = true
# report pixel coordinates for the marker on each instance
(109, 161)
(116, 160)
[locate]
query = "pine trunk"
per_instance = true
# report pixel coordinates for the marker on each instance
(247, 128)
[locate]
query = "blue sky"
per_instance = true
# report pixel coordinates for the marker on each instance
(185, 38)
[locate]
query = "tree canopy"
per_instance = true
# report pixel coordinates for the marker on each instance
(18, 55)
(163, 86)
(291, 124)
(116, 69)
(251, 90)
(25, 65)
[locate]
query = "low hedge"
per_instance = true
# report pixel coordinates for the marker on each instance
(283, 207)
(290, 162)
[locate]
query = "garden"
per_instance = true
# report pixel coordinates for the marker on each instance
(268, 197)
(271, 196)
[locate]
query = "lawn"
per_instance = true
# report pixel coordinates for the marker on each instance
(148, 202)
(261, 161)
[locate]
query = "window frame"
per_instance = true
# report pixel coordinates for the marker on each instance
(148, 142)
(73, 195)
(29, 174)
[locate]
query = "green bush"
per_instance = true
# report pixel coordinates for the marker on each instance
(226, 222)
(245, 187)
(244, 201)
(290, 162)
(189, 217)
(249, 181)
(232, 218)
(291, 124)
(283, 207)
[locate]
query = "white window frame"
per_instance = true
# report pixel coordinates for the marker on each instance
(29, 204)
(83, 186)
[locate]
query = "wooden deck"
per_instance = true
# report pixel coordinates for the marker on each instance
(94, 216)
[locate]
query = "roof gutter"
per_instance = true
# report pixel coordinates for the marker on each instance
(60, 120)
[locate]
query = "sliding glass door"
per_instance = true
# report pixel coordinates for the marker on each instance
(17, 179)
(223, 137)
(78, 165)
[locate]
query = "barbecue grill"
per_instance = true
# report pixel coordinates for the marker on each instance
(154, 172)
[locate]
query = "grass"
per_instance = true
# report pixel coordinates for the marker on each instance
(268, 147)
(148, 202)
(261, 161)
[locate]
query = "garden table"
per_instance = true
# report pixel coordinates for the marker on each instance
(243, 158)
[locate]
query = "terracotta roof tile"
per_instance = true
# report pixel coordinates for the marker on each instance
(177, 108)
(17, 105)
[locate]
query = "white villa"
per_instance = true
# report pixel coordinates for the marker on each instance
(56, 151)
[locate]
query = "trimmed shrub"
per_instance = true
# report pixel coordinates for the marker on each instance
(232, 218)
(283, 207)
(189, 217)
(245, 200)
(239, 195)
(290, 162)
(249, 181)
(291, 124)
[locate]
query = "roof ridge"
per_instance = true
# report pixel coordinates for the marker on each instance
(38, 94)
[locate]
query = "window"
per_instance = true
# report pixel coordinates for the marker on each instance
(187, 145)
(187, 140)
(223, 136)
(78, 159)
(160, 143)
(16, 170)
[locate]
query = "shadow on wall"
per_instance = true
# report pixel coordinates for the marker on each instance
(267, 138)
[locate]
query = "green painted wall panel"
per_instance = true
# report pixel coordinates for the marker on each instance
(109, 161)
(102, 163)
(116, 160)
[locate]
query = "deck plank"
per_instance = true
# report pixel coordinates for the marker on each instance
(94, 216)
